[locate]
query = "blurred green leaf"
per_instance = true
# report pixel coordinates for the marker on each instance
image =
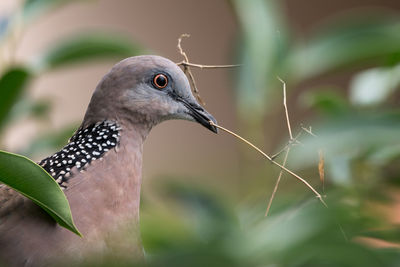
(12, 83)
(391, 234)
(263, 42)
(339, 169)
(209, 215)
(4, 25)
(327, 101)
(38, 109)
(353, 136)
(385, 154)
(34, 8)
(49, 141)
(353, 42)
(302, 235)
(374, 86)
(84, 47)
(158, 237)
(29, 179)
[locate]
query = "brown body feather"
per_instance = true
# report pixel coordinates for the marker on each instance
(104, 200)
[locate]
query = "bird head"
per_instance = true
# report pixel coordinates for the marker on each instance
(146, 90)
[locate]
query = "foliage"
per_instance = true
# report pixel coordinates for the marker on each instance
(85, 47)
(17, 171)
(356, 127)
(354, 40)
(26, 177)
(196, 228)
(354, 131)
(12, 83)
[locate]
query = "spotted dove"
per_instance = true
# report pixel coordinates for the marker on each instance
(100, 167)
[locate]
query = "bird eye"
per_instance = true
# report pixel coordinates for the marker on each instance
(160, 81)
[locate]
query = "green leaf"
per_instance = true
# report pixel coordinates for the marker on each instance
(86, 47)
(350, 137)
(12, 83)
(354, 41)
(50, 141)
(26, 107)
(263, 41)
(328, 101)
(374, 86)
(29, 179)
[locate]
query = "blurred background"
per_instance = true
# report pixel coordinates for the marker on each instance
(204, 196)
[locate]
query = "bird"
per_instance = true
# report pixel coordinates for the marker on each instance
(99, 169)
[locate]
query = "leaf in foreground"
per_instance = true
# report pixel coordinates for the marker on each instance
(29, 179)
(12, 83)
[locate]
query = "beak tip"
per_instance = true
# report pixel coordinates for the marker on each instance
(201, 116)
(211, 126)
(214, 129)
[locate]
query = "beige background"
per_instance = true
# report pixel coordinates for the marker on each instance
(175, 147)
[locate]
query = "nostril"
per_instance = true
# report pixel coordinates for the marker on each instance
(199, 108)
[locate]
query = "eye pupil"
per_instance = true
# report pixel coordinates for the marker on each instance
(160, 81)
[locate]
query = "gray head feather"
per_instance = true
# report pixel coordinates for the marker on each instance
(128, 94)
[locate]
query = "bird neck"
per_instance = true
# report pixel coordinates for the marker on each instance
(119, 172)
(107, 193)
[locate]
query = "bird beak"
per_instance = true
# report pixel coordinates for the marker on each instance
(198, 113)
(201, 116)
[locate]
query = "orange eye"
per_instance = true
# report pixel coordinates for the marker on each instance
(160, 81)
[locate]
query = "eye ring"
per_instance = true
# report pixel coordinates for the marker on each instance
(160, 81)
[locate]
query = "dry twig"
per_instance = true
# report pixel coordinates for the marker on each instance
(186, 68)
(286, 109)
(277, 182)
(308, 130)
(287, 147)
(272, 161)
(321, 168)
(200, 66)
(187, 71)
(293, 142)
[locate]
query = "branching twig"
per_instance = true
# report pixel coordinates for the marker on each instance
(200, 66)
(308, 130)
(187, 71)
(272, 161)
(286, 110)
(292, 142)
(277, 181)
(287, 147)
(186, 68)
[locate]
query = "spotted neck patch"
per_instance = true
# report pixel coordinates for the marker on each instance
(87, 145)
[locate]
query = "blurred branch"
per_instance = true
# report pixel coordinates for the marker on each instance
(321, 168)
(308, 130)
